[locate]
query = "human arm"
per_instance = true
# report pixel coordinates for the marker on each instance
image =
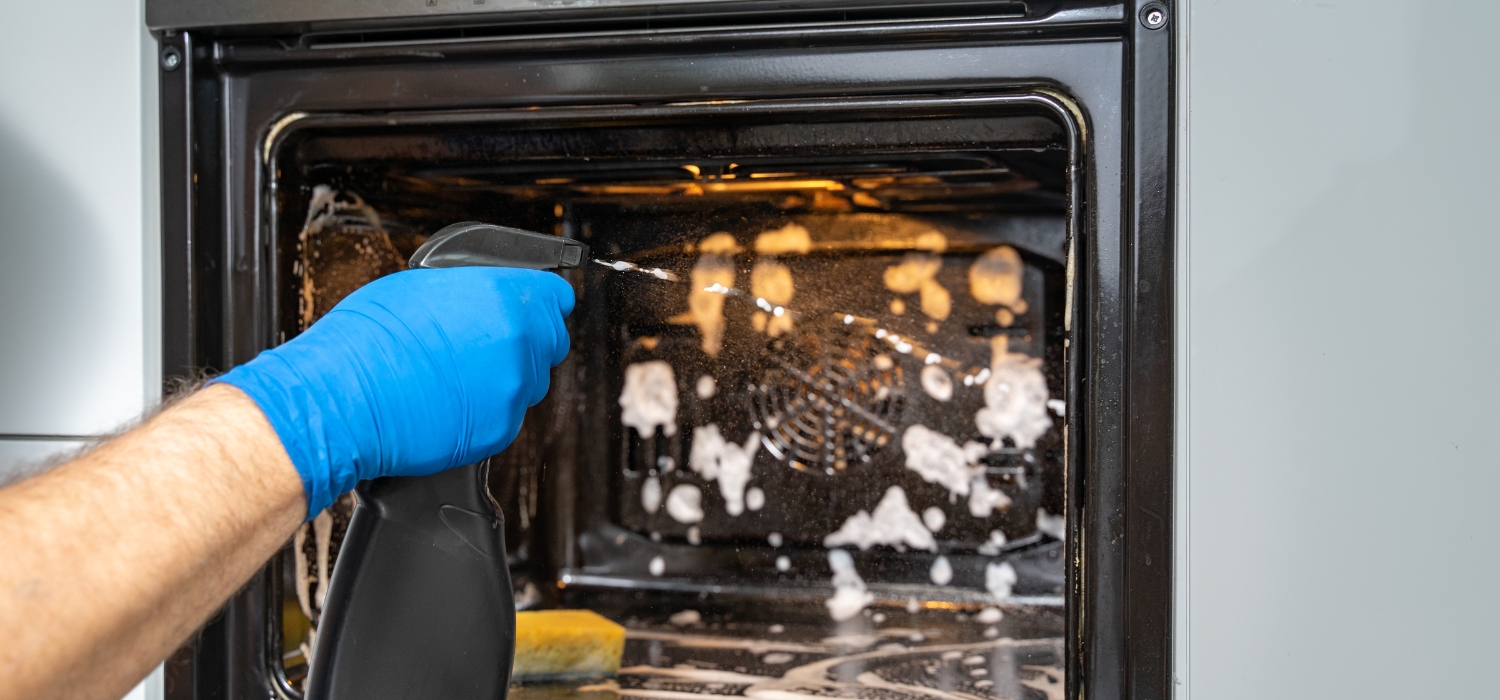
(115, 557)
(109, 561)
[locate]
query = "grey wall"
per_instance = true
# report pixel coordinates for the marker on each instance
(75, 352)
(79, 310)
(1342, 327)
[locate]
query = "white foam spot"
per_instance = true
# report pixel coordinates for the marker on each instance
(706, 387)
(774, 539)
(755, 499)
(717, 459)
(849, 593)
(934, 518)
(984, 500)
(783, 563)
(1058, 406)
(937, 383)
(994, 544)
(877, 618)
(1054, 525)
(649, 398)
(685, 617)
(651, 495)
(952, 655)
(995, 277)
(942, 571)
(998, 578)
(694, 536)
(913, 605)
(777, 658)
(657, 567)
(791, 238)
(1015, 402)
(937, 458)
(685, 503)
(989, 616)
(931, 240)
(883, 362)
(771, 282)
(991, 632)
(776, 629)
(711, 277)
(892, 523)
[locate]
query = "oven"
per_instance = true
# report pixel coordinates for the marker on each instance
(901, 425)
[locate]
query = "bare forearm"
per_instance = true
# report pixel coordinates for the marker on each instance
(112, 559)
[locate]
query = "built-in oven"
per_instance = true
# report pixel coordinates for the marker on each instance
(897, 421)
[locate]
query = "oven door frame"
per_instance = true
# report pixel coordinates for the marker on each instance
(224, 101)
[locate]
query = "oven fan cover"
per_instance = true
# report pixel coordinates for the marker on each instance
(828, 398)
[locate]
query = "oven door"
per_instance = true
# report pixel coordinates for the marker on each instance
(864, 148)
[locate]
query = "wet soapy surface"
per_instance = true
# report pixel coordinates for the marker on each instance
(841, 336)
(886, 655)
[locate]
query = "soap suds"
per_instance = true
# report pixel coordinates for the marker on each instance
(755, 499)
(649, 398)
(849, 593)
(783, 563)
(1058, 406)
(717, 459)
(657, 567)
(914, 269)
(694, 536)
(787, 239)
(1015, 400)
(299, 571)
(931, 240)
(983, 499)
(942, 571)
(998, 578)
(774, 539)
(685, 617)
(715, 268)
(934, 518)
(1054, 525)
(936, 301)
(685, 503)
(995, 277)
(989, 616)
(772, 281)
(893, 523)
(938, 459)
(937, 383)
(993, 546)
(706, 387)
(777, 658)
(323, 539)
(720, 243)
(651, 495)
(917, 272)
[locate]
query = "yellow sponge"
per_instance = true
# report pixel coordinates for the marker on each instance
(553, 644)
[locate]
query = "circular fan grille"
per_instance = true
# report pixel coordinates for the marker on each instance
(827, 400)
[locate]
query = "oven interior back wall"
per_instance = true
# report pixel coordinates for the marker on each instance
(864, 352)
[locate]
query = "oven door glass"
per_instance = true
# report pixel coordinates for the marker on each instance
(816, 405)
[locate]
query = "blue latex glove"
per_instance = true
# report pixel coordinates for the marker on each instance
(414, 373)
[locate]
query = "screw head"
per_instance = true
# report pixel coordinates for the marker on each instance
(171, 58)
(1154, 17)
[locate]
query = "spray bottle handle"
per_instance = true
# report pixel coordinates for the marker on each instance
(420, 605)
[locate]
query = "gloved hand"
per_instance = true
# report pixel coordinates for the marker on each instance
(414, 373)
